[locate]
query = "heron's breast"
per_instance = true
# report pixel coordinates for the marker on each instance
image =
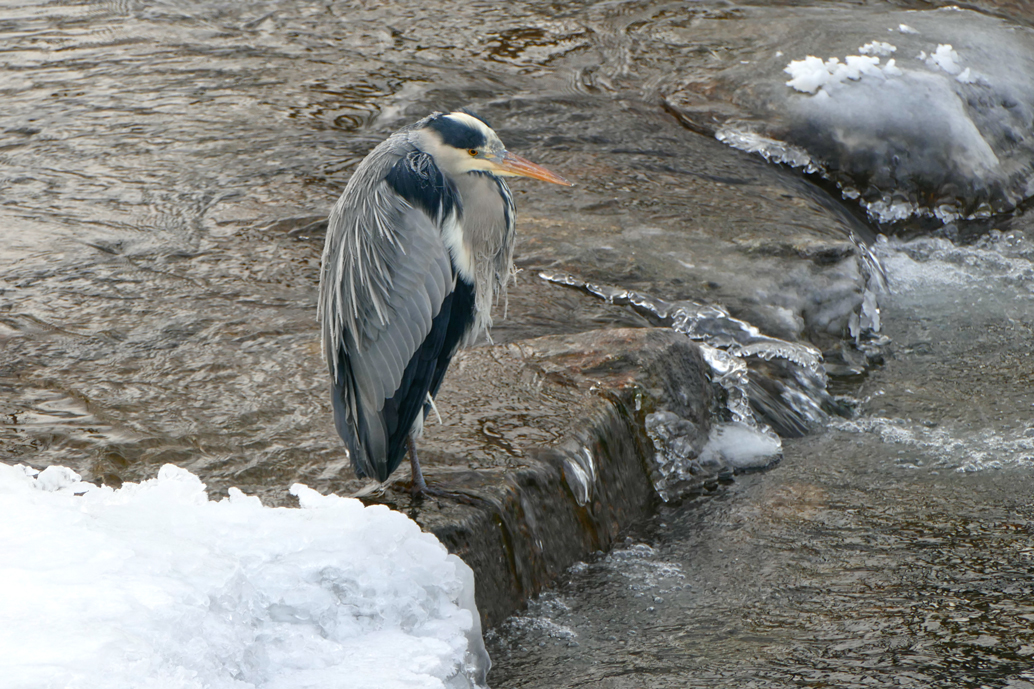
(459, 248)
(485, 220)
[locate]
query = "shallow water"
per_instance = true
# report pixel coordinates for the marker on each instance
(893, 549)
(165, 167)
(843, 567)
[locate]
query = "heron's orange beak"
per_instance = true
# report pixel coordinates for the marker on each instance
(513, 164)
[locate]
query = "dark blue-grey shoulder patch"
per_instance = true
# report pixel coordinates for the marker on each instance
(418, 180)
(509, 207)
(457, 134)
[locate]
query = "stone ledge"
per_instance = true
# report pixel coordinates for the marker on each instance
(550, 434)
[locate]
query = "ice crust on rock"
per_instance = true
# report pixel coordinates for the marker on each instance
(741, 446)
(940, 130)
(794, 402)
(772, 150)
(154, 585)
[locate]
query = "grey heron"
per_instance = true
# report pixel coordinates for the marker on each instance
(418, 247)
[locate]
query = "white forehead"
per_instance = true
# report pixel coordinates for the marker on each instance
(474, 122)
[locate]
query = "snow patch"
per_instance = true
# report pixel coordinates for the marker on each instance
(154, 585)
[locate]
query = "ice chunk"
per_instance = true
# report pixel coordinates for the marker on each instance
(685, 461)
(852, 127)
(945, 137)
(877, 48)
(944, 58)
(155, 585)
(742, 447)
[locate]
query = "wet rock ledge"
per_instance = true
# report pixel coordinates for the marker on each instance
(549, 436)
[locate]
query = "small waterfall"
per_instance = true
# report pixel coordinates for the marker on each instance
(771, 388)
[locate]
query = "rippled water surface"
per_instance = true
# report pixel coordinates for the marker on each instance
(165, 167)
(895, 548)
(164, 171)
(802, 578)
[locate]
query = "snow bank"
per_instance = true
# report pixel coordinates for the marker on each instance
(156, 586)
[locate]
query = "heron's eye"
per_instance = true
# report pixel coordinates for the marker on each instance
(473, 152)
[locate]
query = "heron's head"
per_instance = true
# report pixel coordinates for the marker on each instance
(460, 143)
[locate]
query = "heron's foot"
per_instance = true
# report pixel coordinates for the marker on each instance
(419, 488)
(425, 491)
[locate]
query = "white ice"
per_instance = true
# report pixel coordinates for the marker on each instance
(811, 74)
(877, 48)
(874, 106)
(944, 58)
(944, 136)
(154, 586)
(741, 446)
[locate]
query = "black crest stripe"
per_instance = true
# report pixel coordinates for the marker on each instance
(457, 134)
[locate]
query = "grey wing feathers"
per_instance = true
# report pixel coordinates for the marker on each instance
(385, 274)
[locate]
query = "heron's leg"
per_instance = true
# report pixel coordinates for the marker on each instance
(419, 487)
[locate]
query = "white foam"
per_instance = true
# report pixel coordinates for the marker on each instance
(953, 447)
(936, 266)
(638, 563)
(154, 585)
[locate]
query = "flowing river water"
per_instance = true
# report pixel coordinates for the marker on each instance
(164, 168)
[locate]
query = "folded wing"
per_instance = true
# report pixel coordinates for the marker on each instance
(392, 308)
